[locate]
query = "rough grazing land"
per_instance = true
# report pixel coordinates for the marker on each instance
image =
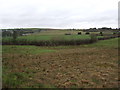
(91, 67)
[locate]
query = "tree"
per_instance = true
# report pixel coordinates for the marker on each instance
(6, 33)
(101, 33)
(15, 35)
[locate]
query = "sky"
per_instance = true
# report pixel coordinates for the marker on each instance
(76, 14)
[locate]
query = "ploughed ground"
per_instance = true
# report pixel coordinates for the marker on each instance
(71, 68)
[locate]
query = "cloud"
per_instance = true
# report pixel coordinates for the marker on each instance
(58, 13)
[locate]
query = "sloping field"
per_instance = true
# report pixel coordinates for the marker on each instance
(93, 66)
(51, 35)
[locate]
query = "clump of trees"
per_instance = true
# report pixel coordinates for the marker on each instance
(6, 33)
(93, 38)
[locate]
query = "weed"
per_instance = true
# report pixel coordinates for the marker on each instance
(13, 80)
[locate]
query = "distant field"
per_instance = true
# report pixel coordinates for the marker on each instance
(111, 43)
(52, 35)
(85, 66)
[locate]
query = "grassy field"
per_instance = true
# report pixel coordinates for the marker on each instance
(52, 35)
(53, 38)
(85, 66)
(49, 37)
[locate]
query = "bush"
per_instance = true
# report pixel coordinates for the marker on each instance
(15, 34)
(67, 33)
(114, 32)
(101, 33)
(87, 33)
(79, 33)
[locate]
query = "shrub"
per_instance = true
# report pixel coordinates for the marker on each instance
(79, 33)
(15, 35)
(101, 33)
(67, 33)
(114, 33)
(87, 33)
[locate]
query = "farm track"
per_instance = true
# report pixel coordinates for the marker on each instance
(78, 67)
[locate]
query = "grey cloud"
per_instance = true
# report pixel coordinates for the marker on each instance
(50, 16)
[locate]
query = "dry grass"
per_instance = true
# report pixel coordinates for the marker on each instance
(78, 67)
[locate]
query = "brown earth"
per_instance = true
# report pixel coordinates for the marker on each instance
(78, 67)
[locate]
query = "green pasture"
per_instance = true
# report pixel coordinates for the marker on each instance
(49, 37)
(17, 49)
(58, 32)
(27, 49)
(111, 43)
(52, 35)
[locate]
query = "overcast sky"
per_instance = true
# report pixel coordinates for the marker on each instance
(58, 13)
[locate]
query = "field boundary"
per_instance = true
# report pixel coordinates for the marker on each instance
(56, 42)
